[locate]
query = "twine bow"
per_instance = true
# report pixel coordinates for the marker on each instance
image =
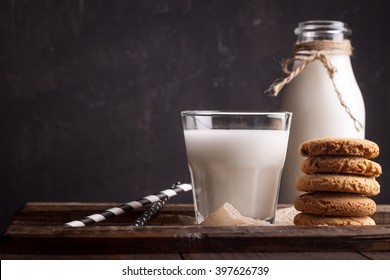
(307, 52)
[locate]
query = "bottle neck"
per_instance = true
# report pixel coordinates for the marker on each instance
(322, 30)
(328, 37)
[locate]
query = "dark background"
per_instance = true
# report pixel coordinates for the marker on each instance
(91, 90)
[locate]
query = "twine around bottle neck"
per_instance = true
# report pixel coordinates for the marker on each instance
(329, 47)
(309, 51)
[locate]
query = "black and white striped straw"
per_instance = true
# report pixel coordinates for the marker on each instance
(145, 217)
(132, 205)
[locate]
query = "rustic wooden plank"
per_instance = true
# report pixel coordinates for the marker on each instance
(54, 213)
(276, 256)
(385, 255)
(196, 231)
(92, 206)
(382, 214)
(174, 256)
(169, 239)
(38, 229)
(210, 256)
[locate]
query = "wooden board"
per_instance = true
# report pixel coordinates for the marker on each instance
(38, 229)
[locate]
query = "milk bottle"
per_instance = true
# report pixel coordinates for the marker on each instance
(321, 107)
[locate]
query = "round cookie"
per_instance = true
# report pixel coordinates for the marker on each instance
(335, 204)
(303, 219)
(338, 183)
(339, 146)
(341, 164)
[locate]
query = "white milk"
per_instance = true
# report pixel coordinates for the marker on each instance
(318, 113)
(241, 167)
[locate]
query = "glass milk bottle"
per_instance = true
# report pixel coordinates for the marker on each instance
(321, 108)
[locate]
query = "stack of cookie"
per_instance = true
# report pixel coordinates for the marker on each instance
(339, 177)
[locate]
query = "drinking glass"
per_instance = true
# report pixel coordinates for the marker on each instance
(236, 157)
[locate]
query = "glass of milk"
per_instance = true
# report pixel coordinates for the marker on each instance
(236, 157)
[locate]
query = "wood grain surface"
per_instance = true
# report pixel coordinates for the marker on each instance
(37, 231)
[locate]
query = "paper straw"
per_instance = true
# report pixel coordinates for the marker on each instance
(132, 205)
(150, 212)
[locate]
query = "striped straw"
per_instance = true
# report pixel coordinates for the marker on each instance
(132, 205)
(142, 220)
